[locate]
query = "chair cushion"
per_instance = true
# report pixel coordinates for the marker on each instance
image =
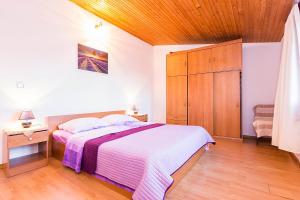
(263, 120)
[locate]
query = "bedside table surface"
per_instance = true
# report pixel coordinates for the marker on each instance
(138, 115)
(20, 129)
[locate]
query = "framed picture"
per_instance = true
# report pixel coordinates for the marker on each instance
(92, 59)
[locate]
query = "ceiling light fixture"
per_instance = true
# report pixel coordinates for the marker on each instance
(98, 25)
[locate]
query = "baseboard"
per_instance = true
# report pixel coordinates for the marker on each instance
(249, 137)
(296, 160)
(229, 138)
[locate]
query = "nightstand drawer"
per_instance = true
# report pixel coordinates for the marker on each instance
(22, 140)
(142, 118)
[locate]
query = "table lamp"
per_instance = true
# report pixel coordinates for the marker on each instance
(27, 116)
(134, 110)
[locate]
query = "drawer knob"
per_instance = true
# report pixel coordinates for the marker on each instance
(28, 135)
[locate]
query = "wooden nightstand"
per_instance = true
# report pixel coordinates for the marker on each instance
(141, 117)
(19, 137)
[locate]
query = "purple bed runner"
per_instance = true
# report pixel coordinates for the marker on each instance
(90, 149)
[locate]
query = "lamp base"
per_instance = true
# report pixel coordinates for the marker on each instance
(26, 124)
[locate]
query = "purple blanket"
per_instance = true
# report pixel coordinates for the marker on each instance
(90, 150)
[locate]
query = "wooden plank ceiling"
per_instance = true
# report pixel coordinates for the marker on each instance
(195, 21)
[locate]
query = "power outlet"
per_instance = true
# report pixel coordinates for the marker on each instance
(20, 84)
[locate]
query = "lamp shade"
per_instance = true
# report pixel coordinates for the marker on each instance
(26, 115)
(134, 109)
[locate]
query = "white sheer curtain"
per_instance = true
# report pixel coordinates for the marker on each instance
(286, 124)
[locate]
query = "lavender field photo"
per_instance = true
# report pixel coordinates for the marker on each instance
(92, 60)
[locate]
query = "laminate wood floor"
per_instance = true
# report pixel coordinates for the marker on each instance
(230, 170)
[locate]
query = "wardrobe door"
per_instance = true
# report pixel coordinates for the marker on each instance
(227, 104)
(177, 99)
(177, 64)
(227, 57)
(199, 61)
(200, 101)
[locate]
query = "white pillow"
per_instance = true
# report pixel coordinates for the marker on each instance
(82, 124)
(118, 119)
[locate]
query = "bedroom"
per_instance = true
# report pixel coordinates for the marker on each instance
(40, 72)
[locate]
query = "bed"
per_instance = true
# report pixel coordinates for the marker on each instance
(146, 160)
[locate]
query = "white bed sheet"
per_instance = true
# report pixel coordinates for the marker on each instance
(62, 136)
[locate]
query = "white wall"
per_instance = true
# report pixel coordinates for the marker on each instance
(259, 78)
(39, 47)
(298, 156)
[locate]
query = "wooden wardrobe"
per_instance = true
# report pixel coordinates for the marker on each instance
(204, 88)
